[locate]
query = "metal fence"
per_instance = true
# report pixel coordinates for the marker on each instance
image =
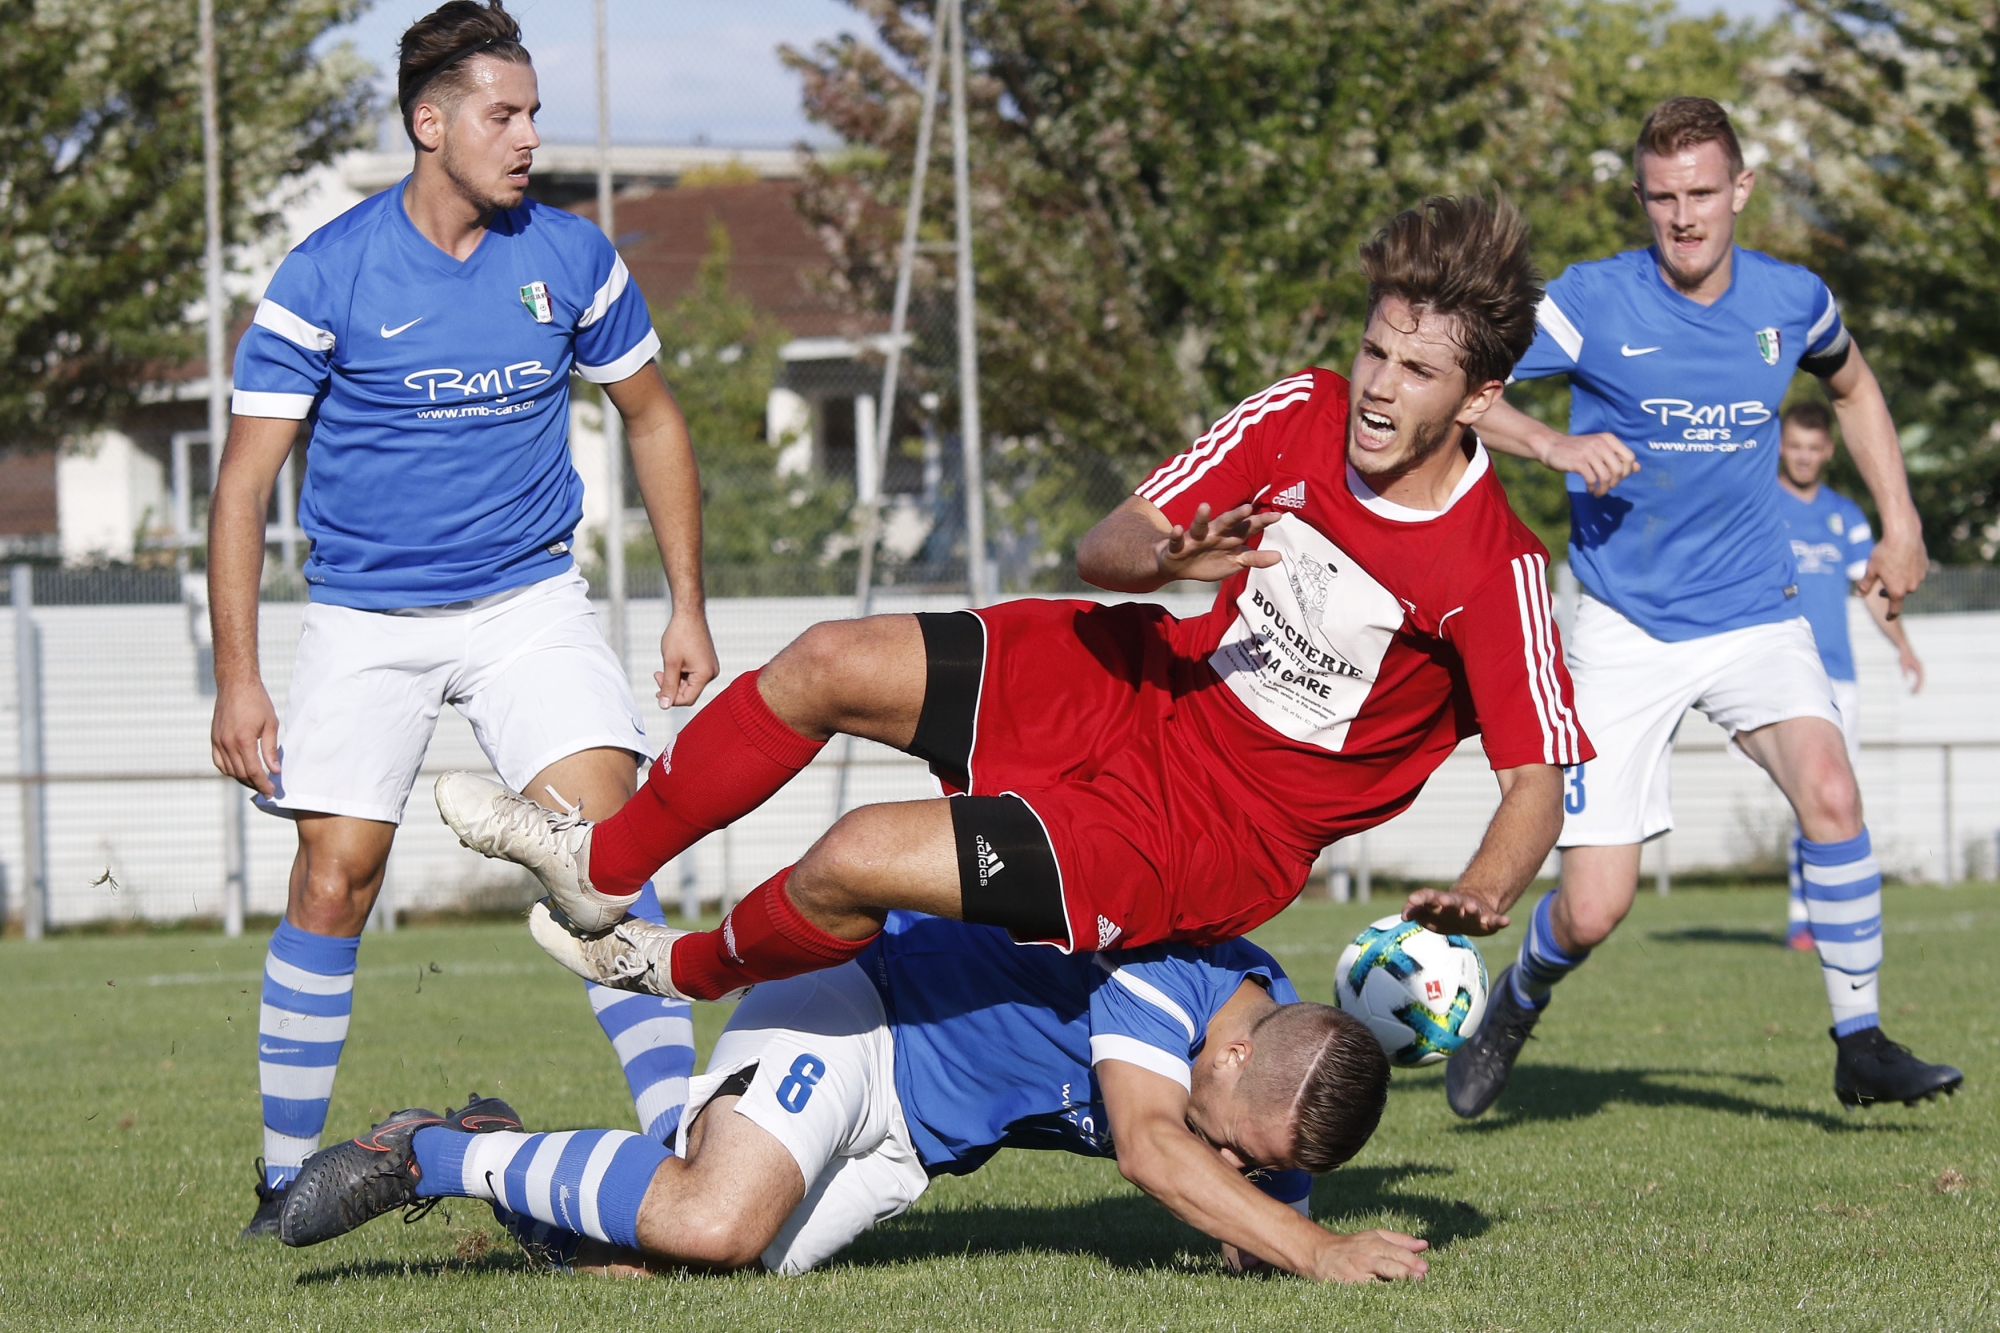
(118, 816)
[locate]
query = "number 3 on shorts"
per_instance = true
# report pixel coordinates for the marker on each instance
(797, 1088)
(1573, 799)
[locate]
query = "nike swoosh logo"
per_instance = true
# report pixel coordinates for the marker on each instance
(1628, 351)
(277, 1050)
(388, 332)
(1856, 985)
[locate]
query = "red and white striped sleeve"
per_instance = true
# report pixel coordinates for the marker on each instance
(1521, 695)
(1232, 462)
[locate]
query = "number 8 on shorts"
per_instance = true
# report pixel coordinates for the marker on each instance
(797, 1087)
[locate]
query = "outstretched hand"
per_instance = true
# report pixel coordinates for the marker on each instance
(1212, 549)
(1450, 913)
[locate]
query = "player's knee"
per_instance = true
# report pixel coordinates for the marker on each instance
(807, 683)
(720, 1235)
(1832, 802)
(831, 875)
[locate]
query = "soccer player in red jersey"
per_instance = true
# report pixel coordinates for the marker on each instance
(1120, 776)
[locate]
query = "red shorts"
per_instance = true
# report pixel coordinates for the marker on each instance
(1074, 714)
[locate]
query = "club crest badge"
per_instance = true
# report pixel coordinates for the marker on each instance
(535, 296)
(1767, 346)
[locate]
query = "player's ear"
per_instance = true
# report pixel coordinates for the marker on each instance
(1746, 181)
(427, 125)
(1479, 402)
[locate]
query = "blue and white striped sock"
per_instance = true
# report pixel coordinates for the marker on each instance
(1796, 918)
(1542, 962)
(654, 1039)
(1843, 884)
(308, 995)
(584, 1180)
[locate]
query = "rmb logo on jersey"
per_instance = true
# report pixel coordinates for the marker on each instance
(1767, 346)
(535, 296)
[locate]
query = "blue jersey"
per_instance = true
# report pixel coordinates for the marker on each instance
(1690, 545)
(438, 396)
(996, 1042)
(1830, 541)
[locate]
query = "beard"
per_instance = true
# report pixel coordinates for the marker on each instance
(480, 195)
(1426, 438)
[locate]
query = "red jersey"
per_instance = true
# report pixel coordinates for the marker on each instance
(1336, 681)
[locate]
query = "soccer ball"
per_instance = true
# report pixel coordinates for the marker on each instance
(1421, 993)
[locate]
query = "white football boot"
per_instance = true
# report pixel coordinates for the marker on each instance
(497, 822)
(632, 955)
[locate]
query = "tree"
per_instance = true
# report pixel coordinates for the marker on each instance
(1888, 115)
(101, 183)
(1170, 197)
(762, 532)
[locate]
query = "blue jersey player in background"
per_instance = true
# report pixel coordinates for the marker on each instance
(1830, 540)
(1678, 358)
(427, 339)
(833, 1098)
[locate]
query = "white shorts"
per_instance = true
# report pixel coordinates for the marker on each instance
(529, 669)
(1847, 702)
(1631, 691)
(825, 1087)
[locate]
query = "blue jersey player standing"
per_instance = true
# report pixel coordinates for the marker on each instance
(1678, 357)
(428, 337)
(834, 1097)
(1830, 540)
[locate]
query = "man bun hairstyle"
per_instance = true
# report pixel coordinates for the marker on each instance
(1466, 260)
(1808, 414)
(1681, 123)
(431, 57)
(1324, 1069)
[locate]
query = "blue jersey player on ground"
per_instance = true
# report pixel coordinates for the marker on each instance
(1678, 357)
(427, 338)
(834, 1097)
(1830, 540)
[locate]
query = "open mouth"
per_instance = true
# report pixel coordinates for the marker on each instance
(1375, 429)
(518, 175)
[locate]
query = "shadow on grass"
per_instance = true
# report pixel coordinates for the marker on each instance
(1131, 1231)
(1720, 935)
(500, 1259)
(1543, 1092)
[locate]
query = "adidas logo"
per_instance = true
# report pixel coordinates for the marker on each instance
(1106, 932)
(990, 863)
(1292, 497)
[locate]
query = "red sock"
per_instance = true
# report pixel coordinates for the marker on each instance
(731, 758)
(762, 939)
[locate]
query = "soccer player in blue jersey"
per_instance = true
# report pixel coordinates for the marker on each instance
(1678, 357)
(428, 337)
(1830, 540)
(834, 1097)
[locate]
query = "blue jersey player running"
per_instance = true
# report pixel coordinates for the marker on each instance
(427, 338)
(1678, 357)
(1830, 540)
(834, 1097)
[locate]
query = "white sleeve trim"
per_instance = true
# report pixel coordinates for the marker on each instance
(1568, 337)
(1111, 1046)
(626, 366)
(1151, 994)
(282, 406)
(292, 328)
(613, 288)
(1825, 321)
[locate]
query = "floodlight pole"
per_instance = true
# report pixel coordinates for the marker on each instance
(614, 425)
(885, 421)
(235, 847)
(968, 335)
(906, 259)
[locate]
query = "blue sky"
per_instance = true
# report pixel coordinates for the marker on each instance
(686, 71)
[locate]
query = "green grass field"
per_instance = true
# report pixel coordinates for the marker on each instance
(1669, 1156)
